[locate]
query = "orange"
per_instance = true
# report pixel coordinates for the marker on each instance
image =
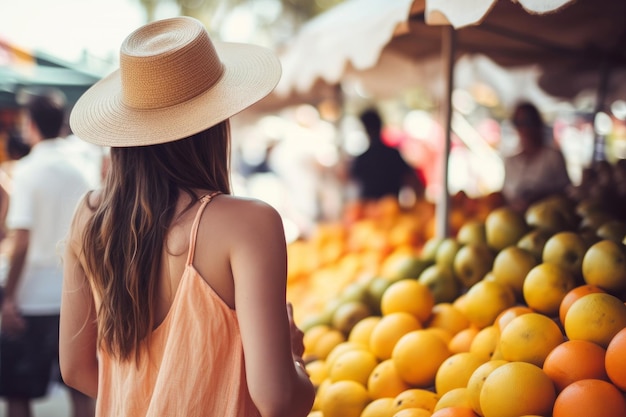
(485, 300)
(595, 317)
(604, 265)
(455, 412)
(486, 341)
(389, 330)
(504, 227)
(515, 389)
(573, 295)
(534, 242)
(529, 338)
(325, 343)
(344, 399)
(455, 371)
(341, 348)
(418, 355)
(614, 360)
(472, 262)
(462, 341)
(415, 398)
(472, 231)
(319, 394)
(511, 265)
(413, 412)
(444, 334)
(441, 282)
(567, 250)
(509, 314)
(355, 365)
(447, 316)
(317, 371)
(312, 335)
(385, 381)
(476, 381)
(410, 296)
(362, 330)
(457, 397)
(574, 360)
(380, 407)
(590, 398)
(545, 287)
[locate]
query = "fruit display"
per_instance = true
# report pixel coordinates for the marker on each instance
(516, 314)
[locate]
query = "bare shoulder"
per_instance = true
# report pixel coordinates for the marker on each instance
(84, 210)
(244, 214)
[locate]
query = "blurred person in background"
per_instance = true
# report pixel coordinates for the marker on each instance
(381, 170)
(45, 189)
(538, 169)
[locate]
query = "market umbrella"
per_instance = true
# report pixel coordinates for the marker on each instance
(560, 36)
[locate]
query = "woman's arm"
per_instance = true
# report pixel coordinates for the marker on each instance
(78, 331)
(277, 381)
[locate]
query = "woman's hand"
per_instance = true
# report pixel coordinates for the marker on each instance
(297, 335)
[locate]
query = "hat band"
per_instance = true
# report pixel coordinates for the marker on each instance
(167, 70)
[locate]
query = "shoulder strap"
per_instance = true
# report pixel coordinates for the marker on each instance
(204, 200)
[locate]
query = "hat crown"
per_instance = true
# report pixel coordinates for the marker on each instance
(166, 63)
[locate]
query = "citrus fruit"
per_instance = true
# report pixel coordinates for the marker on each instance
(476, 381)
(441, 282)
(604, 265)
(462, 341)
(355, 365)
(456, 370)
(596, 317)
(380, 407)
(486, 341)
(545, 287)
(457, 397)
(418, 355)
(529, 338)
(415, 398)
(472, 262)
(348, 314)
(472, 231)
(456, 411)
(385, 381)
(344, 399)
(389, 330)
(614, 360)
(574, 360)
(485, 300)
(510, 267)
(515, 389)
(413, 412)
(317, 371)
(410, 296)
(573, 295)
(362, 330)
(504, 227)
(341, 348)
(509, 314)
(590, 398)
(447, 316)
(567, 250)
(534, 242)
(324, 344)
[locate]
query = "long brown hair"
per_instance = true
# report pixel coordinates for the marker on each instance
(124, 238)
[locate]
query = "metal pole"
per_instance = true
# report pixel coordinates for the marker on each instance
(442, 210)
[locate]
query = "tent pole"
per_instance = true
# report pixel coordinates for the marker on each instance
(442, 210)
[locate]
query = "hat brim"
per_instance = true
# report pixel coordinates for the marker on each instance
(100, 117)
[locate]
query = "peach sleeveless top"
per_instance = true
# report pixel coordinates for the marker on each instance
(193, 365)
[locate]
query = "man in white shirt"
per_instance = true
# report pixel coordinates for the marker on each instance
(47, 186)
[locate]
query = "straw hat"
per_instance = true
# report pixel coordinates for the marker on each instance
(173, 82)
